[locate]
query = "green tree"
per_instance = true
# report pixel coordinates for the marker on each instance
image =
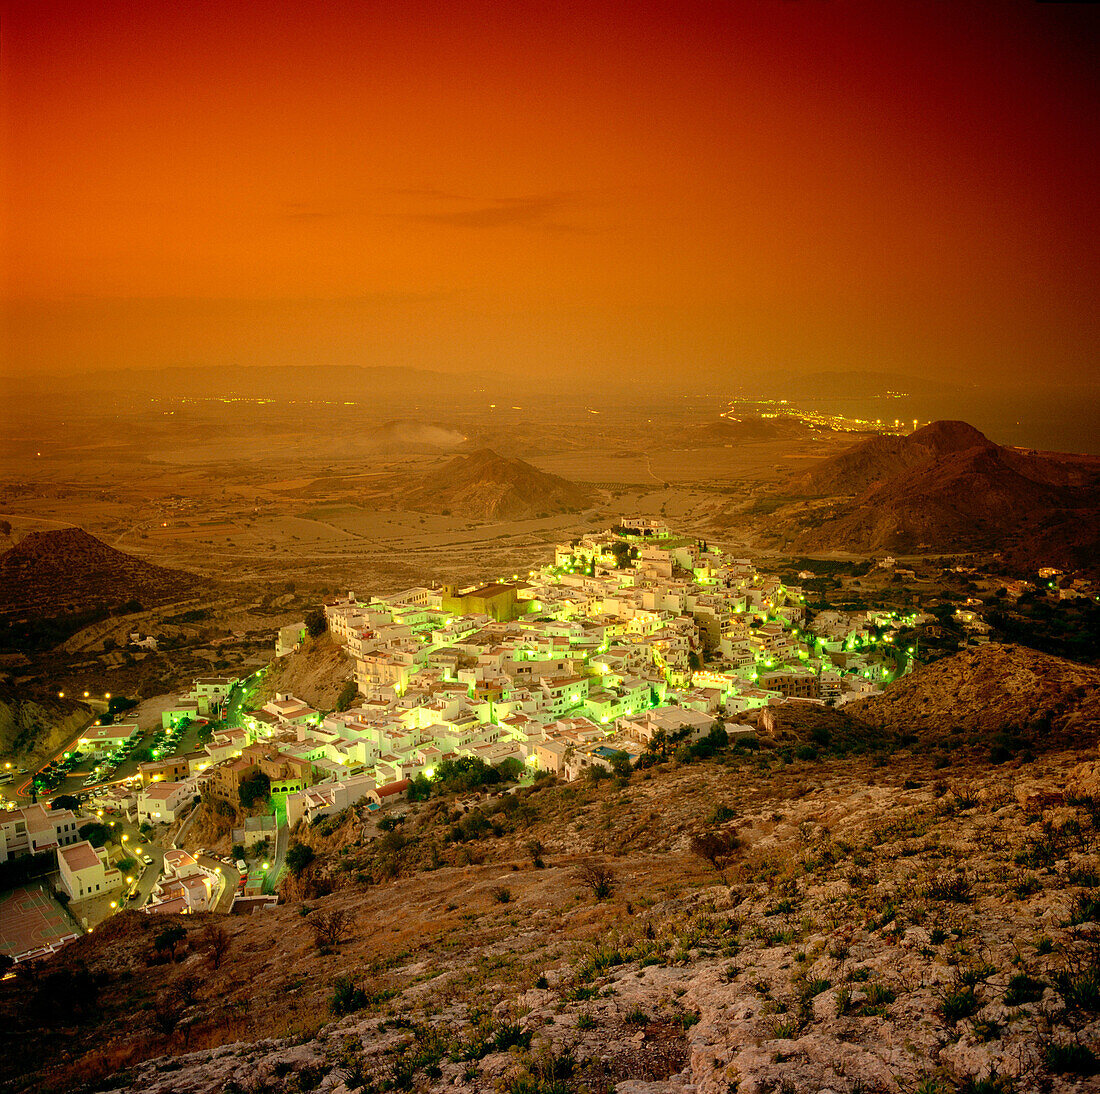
(254, 788)
(316, 624)
(166, 940)
(65, 801)
(620, 764)
(299, 857)
(420, 788)
(464, 773)
(509, 770)
(95, 833)
(348, 694)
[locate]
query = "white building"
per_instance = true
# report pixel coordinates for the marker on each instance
(34, 829)
(289, 638)
(85, 871)
(162, 802)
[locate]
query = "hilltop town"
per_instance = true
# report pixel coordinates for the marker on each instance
(631, 642)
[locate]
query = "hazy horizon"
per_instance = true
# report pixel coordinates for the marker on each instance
(704, 194)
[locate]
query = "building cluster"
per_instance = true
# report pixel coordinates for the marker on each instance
(629, 639)
(36, 830)
(184, 886)
(628, 634)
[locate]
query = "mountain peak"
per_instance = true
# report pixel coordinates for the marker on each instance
(486, 485)
(949, 436)
(69, 569)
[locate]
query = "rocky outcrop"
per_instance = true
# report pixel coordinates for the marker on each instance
(947, 486)
(877, 931)
(991, 691)
(316, 674)
(34, 729)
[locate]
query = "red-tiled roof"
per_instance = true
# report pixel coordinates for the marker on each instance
(81, 856)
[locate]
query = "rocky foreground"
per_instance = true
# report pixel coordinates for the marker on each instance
(878, 924)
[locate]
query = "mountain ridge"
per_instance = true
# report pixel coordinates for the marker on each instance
(948, 487)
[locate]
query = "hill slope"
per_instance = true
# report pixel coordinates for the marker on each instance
(37, 728)
(316, 674)
(989, 690)
(487, 486)
(70, 570)
(882, 457)
(948, 487)
(841, 949)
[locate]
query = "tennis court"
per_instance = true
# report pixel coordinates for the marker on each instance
(32, 922)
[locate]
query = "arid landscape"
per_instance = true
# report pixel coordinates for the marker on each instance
(549, 548)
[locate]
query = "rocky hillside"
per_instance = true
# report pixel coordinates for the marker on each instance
(785, 917)
(992, 690)
(69, 570)
(486, 486)
(862, 927)
(948, 487)
(880, 458)
(34, 729)
(316, 673)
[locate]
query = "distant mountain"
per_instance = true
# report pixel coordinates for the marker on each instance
(990, 690)
(487, 486)
(69, 570)
(282, 382)
(881, 457)
(949, 487)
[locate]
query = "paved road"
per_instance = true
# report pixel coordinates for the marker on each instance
(135, 844)
(232, 881)
(178, 840)
(282, 839)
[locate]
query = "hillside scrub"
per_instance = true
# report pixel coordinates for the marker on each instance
(841, 952)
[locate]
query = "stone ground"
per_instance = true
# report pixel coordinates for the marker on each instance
(878, 929)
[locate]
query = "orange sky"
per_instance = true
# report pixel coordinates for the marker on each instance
(695, 189)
